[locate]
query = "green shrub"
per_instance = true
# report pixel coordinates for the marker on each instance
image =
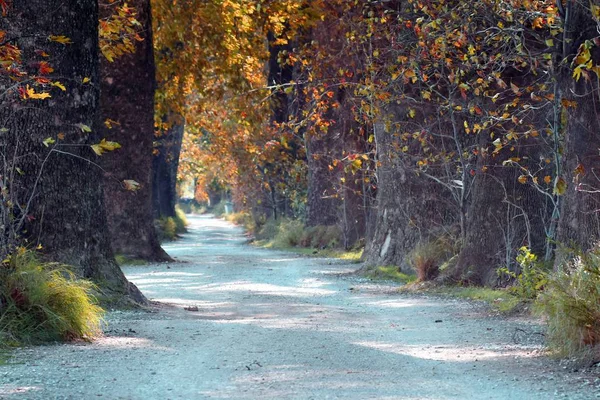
(219, 209)
(289, 233)
(531, 278)
(166, 229)
(244, 219)
(321, 237)
(180, 220)
(571, 302)
(44, 302)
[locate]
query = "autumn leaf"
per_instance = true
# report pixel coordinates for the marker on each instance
(29, 93)
(105, 146)
(60, 39)
(547, 179)
(131, 185)
(59, 85)
(560, 186)
(522, 179)
(45, 68)
(84, 128)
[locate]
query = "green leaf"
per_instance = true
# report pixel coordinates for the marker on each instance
(48, 141)
(84, 128)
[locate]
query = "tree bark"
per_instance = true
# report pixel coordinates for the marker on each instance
(66, 214)
(503, 216)
(410, 208)
(164, 171)
(127, 97)
(579, 225)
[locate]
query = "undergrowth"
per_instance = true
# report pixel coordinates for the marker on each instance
(571, 303)
(42, 302)
(391, 273)
(124, 260)
(292, 235)
(169, 228)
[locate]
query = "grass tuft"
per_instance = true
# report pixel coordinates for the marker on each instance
(499, 299)
(391, 273)
(42, 302)
(571, 302)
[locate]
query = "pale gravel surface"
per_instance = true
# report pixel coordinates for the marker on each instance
(272, 325)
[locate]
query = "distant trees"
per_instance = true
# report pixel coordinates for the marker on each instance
(472, 124)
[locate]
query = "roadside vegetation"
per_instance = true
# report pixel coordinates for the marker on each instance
(41, 302)
(169, 228)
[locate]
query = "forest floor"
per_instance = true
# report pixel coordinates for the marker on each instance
(239, 322)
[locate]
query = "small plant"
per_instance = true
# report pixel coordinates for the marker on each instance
(180, 220)
(44, 302)
(391, 272)
(244, 219)
(426, 259)
(531, 278)
(571, 302)
(166, 228)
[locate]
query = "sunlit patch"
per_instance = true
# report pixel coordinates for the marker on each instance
(453, 353)
(262, 289)
(124, 342)
(8, 390)
(401, 303)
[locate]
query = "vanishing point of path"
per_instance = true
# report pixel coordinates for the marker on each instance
(272, 325)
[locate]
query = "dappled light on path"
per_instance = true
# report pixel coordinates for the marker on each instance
(238, 322)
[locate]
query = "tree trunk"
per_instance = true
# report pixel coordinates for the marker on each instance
(127, 97)
(66, 215)
(164, 171)
(410, 208)
(322, 203)
(579, 225)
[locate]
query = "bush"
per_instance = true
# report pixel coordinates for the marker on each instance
(571, 302)
(243, 219)
(166, 229)
(321, 237)
(180, 220)
(44, 302)
(426, 259)
(531, 278)
(289, 233)
(219, 209)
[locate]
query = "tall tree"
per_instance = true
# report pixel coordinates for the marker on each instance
(48, 132)
(579, 224)
(127, 108)
(164, 169)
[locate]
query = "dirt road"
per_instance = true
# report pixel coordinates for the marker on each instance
(271, 325)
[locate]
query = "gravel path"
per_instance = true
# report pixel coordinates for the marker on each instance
(248, 323)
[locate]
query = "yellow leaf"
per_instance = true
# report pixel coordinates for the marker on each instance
(560, 186)
(86, 80)
(371, 138)
(60, 39)
(105, 146)
(412, 113)
(48, 141)
(59, 85)
(31, 94)
(549, 42)
(131, 185)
